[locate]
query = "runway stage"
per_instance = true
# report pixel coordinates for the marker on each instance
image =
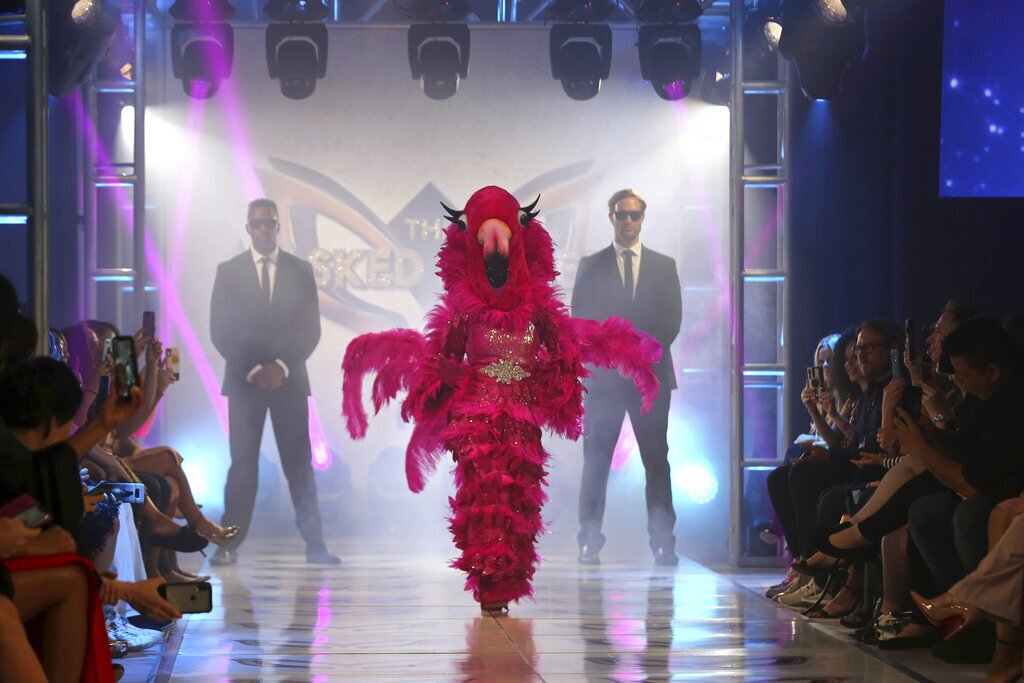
(389, 618)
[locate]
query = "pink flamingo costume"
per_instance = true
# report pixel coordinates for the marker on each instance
(501, 359)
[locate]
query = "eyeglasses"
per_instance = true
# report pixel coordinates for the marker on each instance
(869, 347)
(632, 215)
(265, 223)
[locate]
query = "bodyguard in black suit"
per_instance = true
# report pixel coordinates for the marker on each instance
(265, 322)
(633, 282)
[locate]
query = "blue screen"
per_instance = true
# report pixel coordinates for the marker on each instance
(982, 144)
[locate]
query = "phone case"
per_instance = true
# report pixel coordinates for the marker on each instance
(188, 598)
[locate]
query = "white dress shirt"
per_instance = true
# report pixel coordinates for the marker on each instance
(257, 259)
(636, 250)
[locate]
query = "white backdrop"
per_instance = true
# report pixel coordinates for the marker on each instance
(361, 165)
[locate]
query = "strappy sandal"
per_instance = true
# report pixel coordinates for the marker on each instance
(823, 613)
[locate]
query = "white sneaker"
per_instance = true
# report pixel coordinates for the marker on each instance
(803, 597)
(134, 638)
(783, 586)
(798, 582)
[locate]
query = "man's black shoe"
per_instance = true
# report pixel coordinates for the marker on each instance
(588, 555)
(665, 557)
(321, 556)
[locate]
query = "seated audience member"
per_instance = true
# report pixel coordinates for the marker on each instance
(795, 488)
(37, 401)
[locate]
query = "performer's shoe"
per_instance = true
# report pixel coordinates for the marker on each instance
(224, 557)
(321, 555)
(665, 557)
(495, 608)
(588, 555)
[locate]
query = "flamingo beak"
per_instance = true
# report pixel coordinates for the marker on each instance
(493, 236)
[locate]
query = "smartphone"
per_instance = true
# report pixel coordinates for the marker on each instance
(108, 347)
(148, 324)
(188, 598)
(911, 401)
(816, 376)
(27, 509)
(897, 363)
(126, 367)
(173, 360)
(121, 491)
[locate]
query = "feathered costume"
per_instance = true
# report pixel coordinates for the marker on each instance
(500, 360)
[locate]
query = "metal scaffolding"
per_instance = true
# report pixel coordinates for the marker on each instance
(759, 278)
(31, 46)
(107, 181)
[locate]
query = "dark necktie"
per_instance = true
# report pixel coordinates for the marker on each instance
(265, 280)
(627, 270)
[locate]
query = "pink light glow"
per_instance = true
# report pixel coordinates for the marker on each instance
(168, 288)
(323, 617)
(318, 441)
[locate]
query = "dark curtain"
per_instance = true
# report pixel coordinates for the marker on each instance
(869, 236)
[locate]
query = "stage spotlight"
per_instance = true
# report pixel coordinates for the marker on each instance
(832, 11)
(439, 57)
(77, 44)
(201, 57)
(297, 56)
(820, 50)
(581, 57)
(85, 11)
(772, 30)
(295, 10)
(201, 10)
(669, 11)
(670, 58)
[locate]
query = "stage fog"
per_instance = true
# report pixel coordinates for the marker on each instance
(358, 170)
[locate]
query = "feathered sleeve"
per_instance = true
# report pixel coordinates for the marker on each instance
(437, 374)
(394, 355)
(616, 344)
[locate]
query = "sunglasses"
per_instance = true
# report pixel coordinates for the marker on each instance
(266, 223)
(632, 215)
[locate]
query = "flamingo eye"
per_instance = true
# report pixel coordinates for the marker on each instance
(528, 213)
(455, 216)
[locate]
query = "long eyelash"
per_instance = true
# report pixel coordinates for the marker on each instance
(454, 216)
(529, 209)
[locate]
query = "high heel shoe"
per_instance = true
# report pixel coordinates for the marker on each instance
(220, 538)
(187, 540)
(951, 618)
(864, 553)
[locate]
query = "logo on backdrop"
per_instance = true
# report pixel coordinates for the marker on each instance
(400, 254)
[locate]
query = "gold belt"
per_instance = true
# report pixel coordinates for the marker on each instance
(505, 371)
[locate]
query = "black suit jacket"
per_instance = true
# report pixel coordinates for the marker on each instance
(656, 309)
(247, 333)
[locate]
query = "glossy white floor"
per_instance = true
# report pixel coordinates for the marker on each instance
(386, 617)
